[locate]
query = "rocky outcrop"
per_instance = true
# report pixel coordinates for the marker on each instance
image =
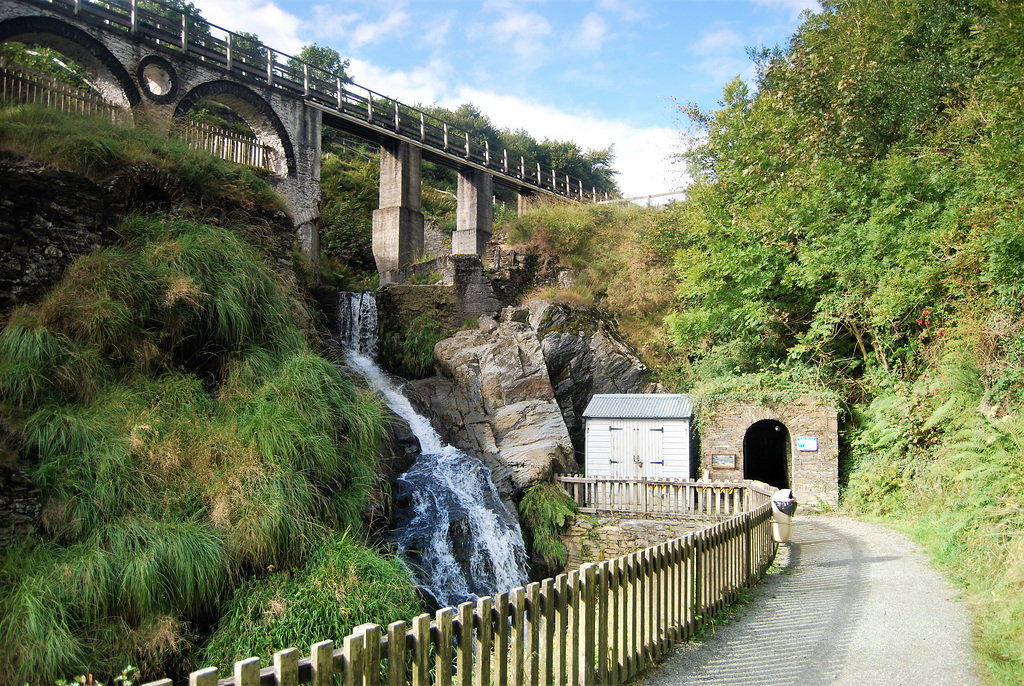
(584, 356)
(493, 398)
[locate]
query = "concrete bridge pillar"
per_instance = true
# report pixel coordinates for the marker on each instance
(398, 224)
(475, 219)
(523, 203)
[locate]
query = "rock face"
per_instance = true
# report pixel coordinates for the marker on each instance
(493, 398)
(584, 356)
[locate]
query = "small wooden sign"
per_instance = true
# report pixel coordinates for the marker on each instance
(723, 461)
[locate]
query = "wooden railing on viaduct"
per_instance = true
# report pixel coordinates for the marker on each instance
(346, 105)
(599, 624)
(25, 86)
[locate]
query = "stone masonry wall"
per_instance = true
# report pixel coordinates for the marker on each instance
(605, 538)
(48, 218)
(815, 474)
(19, 505)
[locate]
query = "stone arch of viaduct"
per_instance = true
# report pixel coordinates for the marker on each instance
(158, 84)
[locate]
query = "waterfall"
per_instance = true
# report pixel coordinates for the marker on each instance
(454, 531)
(357, 322)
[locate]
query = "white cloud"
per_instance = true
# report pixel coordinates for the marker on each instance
(794, 7)
(374, 32)
(721, 40)
(524, 31)
(275, 27)
(628, 10)
(436, 34)
(355, 28)
(592, 34)
(641, 153)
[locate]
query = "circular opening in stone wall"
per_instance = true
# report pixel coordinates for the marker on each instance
(157, 78)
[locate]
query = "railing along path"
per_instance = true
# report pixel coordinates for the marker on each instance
(662, 497)
(355, 108)
(600, 624)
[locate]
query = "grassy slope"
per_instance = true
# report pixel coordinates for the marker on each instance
(186, 439)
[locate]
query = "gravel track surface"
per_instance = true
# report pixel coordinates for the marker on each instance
(854, 603)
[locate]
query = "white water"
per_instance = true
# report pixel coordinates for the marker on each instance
(457, 535)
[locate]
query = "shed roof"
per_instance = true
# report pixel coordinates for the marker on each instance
(640, 406)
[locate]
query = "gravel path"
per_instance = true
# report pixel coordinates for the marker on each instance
(855, 603)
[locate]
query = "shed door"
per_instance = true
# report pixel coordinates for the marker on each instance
(651, 451)
(636, 451)
(622, 453)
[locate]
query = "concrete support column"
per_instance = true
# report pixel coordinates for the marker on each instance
(523, 203)
(475, 220)
(398, 224)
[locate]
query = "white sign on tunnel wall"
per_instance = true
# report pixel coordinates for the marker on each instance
(807, 444)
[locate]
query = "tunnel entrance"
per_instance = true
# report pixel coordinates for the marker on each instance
(766, 453)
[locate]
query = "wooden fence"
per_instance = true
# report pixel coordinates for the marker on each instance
(600, 624)
(227, 145)
(662, 497)
(19, 85)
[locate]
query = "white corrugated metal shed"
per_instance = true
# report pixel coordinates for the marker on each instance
(639, 406)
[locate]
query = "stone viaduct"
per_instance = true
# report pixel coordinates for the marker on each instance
(156, 65)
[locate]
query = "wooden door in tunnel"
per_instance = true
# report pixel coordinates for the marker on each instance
(767, 453)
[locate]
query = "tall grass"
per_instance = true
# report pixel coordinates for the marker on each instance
(342, 585)
(186, 440)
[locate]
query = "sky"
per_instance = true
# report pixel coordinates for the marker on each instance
(598, 73)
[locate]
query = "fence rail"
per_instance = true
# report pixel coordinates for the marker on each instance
(662, 497)
(600, 624)
(225, 144)
(25, 86)
(173, 30)
(28, 87)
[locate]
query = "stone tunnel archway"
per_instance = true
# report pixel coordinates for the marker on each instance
(256, 112)
(767, 448)
(105, 72)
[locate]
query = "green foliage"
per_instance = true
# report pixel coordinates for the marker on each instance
(185, 438)
(546, 510)
(326, 60)
(343, 584)
(855, 224)
(350, 186)
(45, 60)
(410, 353)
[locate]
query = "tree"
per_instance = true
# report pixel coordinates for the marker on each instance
(323, 58)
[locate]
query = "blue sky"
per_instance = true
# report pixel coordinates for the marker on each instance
(596, 72)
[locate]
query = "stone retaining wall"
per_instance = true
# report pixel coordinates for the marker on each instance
(19, 505)
(605, 538)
